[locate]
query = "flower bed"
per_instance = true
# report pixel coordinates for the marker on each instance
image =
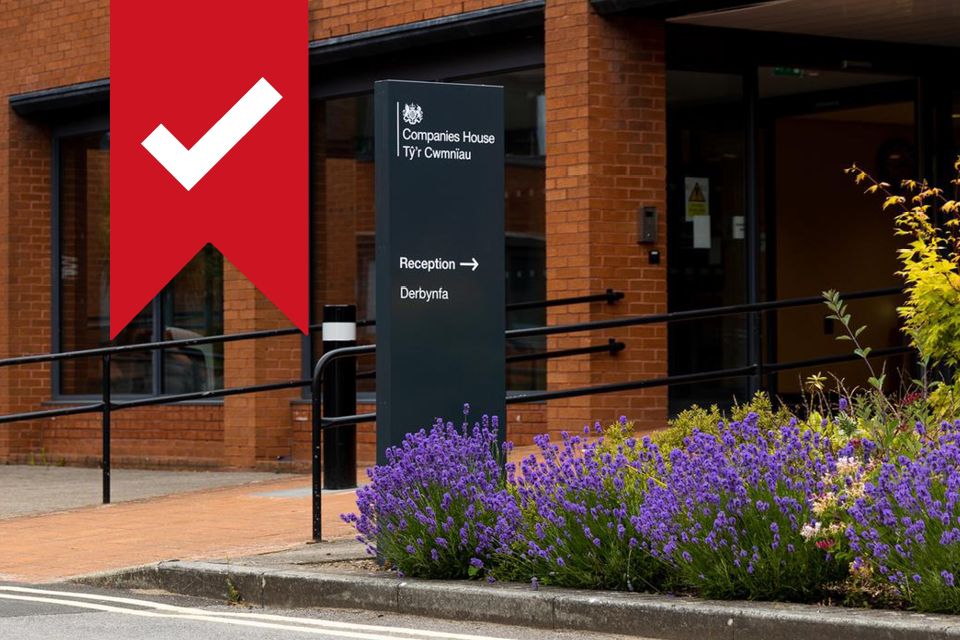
(749, 512)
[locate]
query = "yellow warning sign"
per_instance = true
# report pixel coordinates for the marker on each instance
(697, 192)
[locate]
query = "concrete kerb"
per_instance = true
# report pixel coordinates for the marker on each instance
(650, 616)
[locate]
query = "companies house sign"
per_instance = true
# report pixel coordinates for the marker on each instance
(417, 143)
(440, 254)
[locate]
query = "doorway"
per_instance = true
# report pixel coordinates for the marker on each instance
(705, 231)
(816, 229)
(822, 232)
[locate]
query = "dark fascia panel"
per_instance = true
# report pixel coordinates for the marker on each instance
(667, 8)
(518, 15)
(49, 101)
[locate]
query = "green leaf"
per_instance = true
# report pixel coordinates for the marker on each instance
(844, 336)
(859, 331)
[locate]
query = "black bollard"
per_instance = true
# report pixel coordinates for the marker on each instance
(340, 398)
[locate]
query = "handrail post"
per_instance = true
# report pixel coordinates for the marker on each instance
(317, 421)
(316, 388)
(105, 430)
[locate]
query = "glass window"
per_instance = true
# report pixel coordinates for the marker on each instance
(191, 305)
(343, 213)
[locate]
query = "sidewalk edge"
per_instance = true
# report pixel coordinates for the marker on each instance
(641, 615)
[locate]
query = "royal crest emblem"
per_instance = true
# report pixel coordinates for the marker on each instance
(412, 113)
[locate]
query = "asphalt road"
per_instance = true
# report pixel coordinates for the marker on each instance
(54, 612)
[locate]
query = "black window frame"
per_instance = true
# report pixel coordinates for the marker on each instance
(91, 125)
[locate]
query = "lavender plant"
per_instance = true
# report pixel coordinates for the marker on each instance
(580, 502)
(730, 511)
(906, 524)
(439, 508)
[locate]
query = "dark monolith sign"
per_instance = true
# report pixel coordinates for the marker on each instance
(440, 255)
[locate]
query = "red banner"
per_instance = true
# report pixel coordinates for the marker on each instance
(208, 110)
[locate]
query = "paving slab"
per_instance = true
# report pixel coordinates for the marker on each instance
(215, 524)
(32, 489)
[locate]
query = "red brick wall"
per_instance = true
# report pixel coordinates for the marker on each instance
(256, 426)
(42, 45)
(606, 156)
(175, 437)
(331, 18)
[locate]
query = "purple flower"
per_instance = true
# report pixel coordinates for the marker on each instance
(535, 584)
(726, 489)
(907, 520)
(447, 485)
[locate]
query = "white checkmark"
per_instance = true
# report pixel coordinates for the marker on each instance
(189, 166)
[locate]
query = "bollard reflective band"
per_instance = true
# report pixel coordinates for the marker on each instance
(339, 331)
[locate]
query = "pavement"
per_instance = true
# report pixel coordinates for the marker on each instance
(82, 613)
(220, 523)
(52, 527)
(250, 543)
(32, 489)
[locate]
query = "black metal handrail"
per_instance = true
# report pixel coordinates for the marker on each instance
(697, 314)
(734, 372)
(521, 397)
(106, 405)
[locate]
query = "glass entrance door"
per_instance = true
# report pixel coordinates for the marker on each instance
(706, 253)
(823, 232)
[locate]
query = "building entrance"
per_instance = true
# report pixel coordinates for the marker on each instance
(821, 231)
(814, 229)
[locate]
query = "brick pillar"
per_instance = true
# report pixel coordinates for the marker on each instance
(606, 156)
(256, 427)
(24, 278)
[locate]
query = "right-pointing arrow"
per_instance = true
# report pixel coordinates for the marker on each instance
(474, 264)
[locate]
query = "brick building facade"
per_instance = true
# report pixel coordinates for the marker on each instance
(617, 104)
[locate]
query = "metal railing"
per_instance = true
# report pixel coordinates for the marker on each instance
(107, 405)
(636, 321)
(758, 368)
